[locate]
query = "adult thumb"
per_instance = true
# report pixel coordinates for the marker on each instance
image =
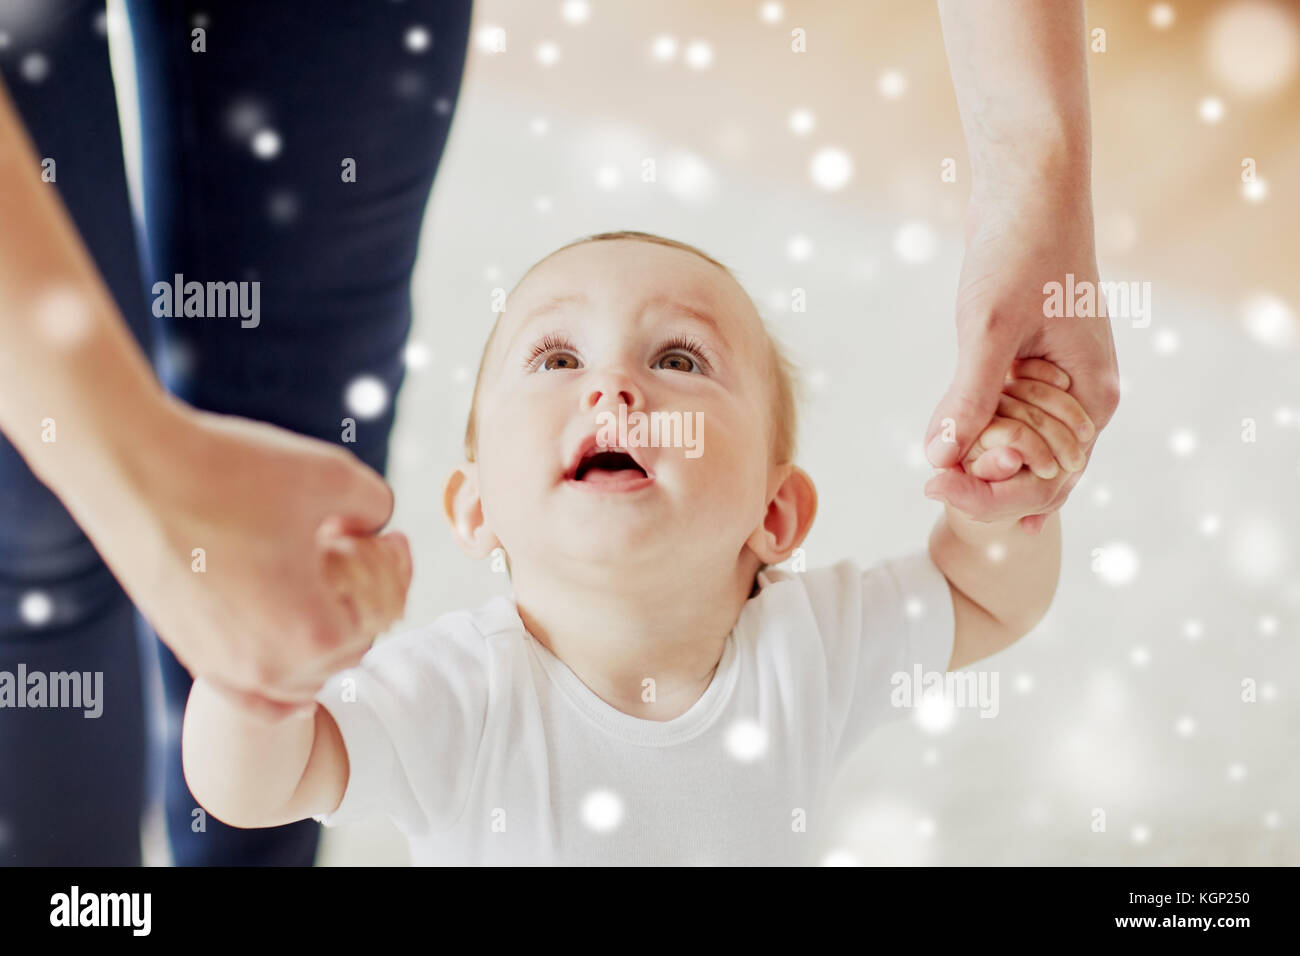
(972, 398)
(361, 503)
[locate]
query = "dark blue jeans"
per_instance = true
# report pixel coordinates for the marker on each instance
(245, 150)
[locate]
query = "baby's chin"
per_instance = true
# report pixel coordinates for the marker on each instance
(610, 546)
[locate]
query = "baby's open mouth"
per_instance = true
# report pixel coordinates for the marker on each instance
(608, 467)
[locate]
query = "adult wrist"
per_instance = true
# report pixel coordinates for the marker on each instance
(1050, 169)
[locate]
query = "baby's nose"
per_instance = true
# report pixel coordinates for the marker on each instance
(615, 390)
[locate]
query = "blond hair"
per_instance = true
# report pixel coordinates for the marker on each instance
(782, 372)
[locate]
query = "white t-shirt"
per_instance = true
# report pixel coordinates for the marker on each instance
(485, 748)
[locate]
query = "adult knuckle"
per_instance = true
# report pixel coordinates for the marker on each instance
(338, 467)
(1110, 395)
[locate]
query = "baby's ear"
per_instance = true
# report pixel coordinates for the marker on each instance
(788, 520)
(463, 509)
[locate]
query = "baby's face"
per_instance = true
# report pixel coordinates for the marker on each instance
(653, 328)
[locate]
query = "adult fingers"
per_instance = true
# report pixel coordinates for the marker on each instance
(1040, 370)
(1061, 405)
(356, 496)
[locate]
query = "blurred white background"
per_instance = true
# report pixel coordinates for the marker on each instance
(1180, 577)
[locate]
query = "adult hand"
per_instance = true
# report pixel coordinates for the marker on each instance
(291, 584)
(1013, 249)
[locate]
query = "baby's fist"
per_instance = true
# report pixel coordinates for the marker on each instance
(1038, 425)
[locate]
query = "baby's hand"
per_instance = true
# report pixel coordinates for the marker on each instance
(1037, 425)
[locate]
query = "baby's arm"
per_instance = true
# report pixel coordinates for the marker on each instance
(248, 770)
(252, 767)
(1002, 580)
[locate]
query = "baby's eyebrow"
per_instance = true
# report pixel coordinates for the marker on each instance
(556, 303)
(688, 310)
(561, 301)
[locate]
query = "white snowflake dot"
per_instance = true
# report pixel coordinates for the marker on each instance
(1255, 191)
(417, 39)
(608, 177)
(1182, 442)
(663, 48)
(801, 122)
(35, 67)
(366, 397)
(698, 55)
(548, 54)
(840, 858)
(1165, 341)
(799, 248)
(1269, 321)
(602, 811)
(1162, 16)
(915, 243)
(831, 168)
(935, 713)
(266, 144)
(893, 84)
(1116, 564)
(35, 608)
(1210, 109)
(575, 11)
(746, 740)
(492, 38)
(416, 355)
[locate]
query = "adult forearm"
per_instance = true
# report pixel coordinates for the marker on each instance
(1010, 574)
(1019, 69)
(78, 398)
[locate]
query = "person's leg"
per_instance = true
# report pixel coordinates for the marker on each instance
(296, 151)
(71, 785)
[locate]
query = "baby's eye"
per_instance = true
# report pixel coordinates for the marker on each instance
(560, 360)
(678, 362)
(552, 353)
(682, 353)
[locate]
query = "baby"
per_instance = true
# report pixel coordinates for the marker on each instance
(654, 691)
